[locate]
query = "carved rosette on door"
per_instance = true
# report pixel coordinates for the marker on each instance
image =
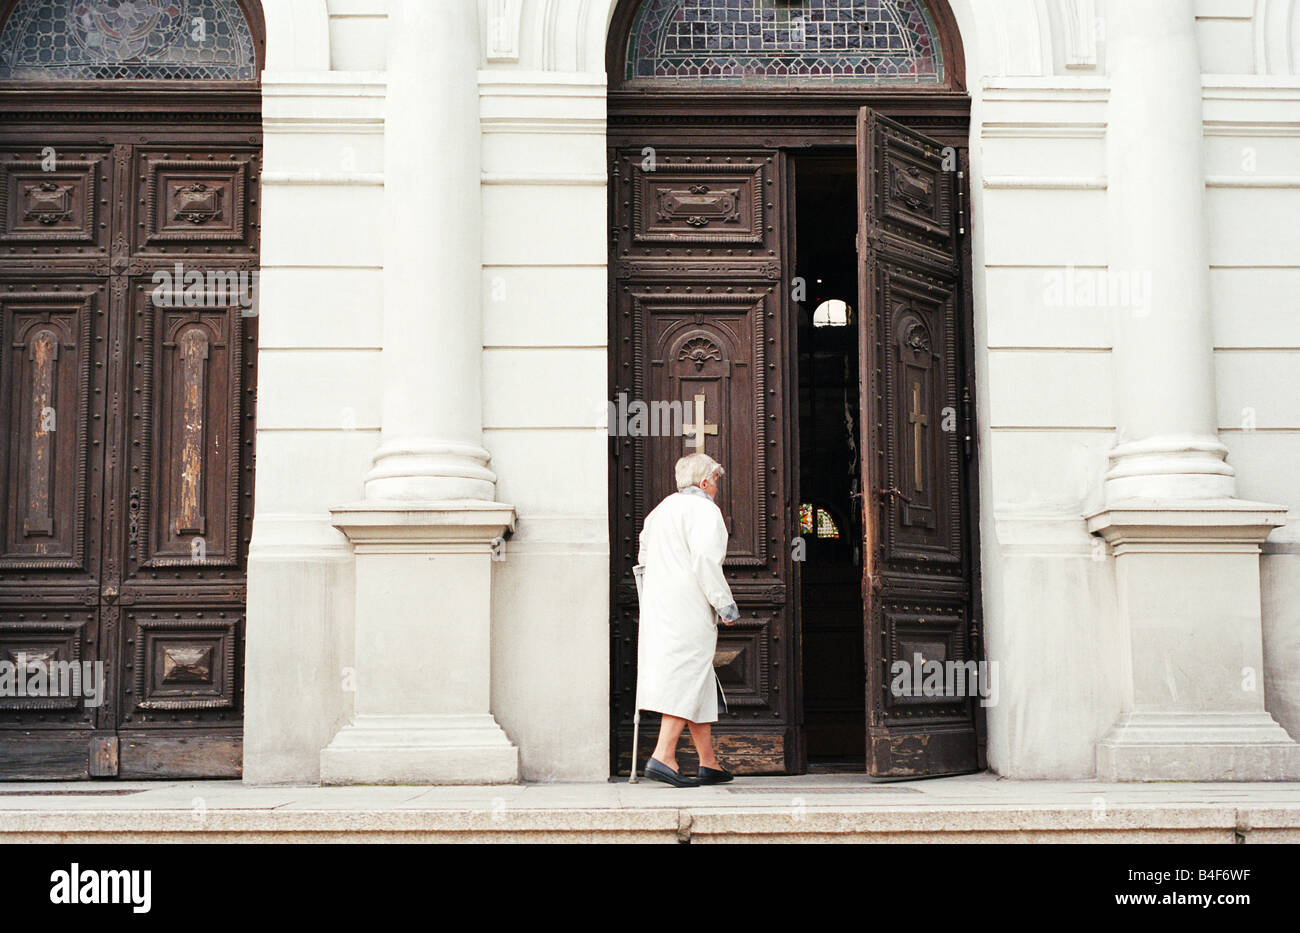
(698, 320)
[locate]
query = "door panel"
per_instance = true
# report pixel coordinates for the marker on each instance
(195, 200)
(918, 554)
(185, 433)
(52, 378)
(182, 546)
(55, 204)
(47, 330)
(127, 458)
(699, 320)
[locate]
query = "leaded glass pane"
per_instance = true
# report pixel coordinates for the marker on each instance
(787, 43)
(80, 40)
(826, 527)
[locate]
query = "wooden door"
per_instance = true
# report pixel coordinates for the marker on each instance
(919, 567)
(127, 314)
(699, 318)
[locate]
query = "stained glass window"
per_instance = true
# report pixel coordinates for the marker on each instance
(826, 527)
(79, 40)
(783, 43)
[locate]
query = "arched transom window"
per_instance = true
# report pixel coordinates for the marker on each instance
(783, 43)
(87, 40)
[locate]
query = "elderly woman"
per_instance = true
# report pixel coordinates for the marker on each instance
(684, 593)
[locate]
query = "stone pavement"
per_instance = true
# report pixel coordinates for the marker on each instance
(822, 808)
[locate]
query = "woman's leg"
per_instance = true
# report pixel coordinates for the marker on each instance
(702, 736)
(670, 727)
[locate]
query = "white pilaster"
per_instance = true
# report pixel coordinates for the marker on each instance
(1186, 552)
(317, 404)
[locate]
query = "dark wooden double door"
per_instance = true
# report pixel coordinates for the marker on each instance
(702, 307)
(127, 264)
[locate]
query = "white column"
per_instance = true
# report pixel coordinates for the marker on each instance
(1168, 444)
(432, 441)
(426, 533)
(1186, 551)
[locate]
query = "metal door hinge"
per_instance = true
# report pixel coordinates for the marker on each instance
(961, 204)
(968, 427)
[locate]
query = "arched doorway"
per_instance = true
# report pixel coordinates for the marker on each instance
(790, 269)
(130, 150)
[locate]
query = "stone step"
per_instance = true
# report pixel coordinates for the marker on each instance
(979, 823)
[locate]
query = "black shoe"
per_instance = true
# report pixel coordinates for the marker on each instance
(656, 770)
(715, 776)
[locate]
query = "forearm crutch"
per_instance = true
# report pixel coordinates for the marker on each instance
(637, 573)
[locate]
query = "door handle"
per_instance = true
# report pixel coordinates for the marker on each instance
(893, 491)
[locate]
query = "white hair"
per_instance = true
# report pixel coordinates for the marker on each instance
(694, 469)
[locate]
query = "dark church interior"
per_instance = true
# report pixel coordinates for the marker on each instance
(825, 203)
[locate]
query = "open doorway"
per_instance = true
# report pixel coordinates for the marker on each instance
(834, 676)
(729, 178)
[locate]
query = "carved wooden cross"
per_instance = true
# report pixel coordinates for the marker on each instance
(695, 432)
(918, 422)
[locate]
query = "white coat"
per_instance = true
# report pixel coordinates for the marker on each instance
(683, 542)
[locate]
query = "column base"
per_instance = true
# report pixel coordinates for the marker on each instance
(429, 471)
(1170, 467)
(1152, 746)
(441, 749)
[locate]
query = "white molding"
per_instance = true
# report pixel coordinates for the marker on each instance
(332, 102)
(1251, 129)
(556, 126)
(573, 179)
(1009, 130)
(1252, 181)
(324, 83)
(1264, 87)
(340, 126)
(1046, 182)
(323, 178)
(1251, 105)
(1064, 107)
(541, 83)
(1050, 87)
